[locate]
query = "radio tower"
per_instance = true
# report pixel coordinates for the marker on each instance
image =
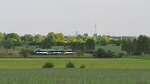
(95, 30)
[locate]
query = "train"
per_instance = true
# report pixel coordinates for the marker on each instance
(53, 52)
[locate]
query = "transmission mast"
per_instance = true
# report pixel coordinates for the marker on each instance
(95, 30)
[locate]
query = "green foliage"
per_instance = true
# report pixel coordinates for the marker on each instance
(70, 65)
(84, 43)
(27, 39)
(9, 43)
(82, 66)
(101, 53)
(76, 46)
(38, 38)
(143, 44)
(121, 54)
(48, 65)
(1, 37)
(139, 46)
(102, 40)
(26, 52)
(111, 47)
(90, 44)
(49, 40)
(71, 39)
(11, 40)
(79, 53)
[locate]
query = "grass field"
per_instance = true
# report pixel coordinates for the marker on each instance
(97, 71)
(116, 63)
(74, 76)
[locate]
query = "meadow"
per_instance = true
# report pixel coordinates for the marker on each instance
(97, 71)
(74, 76)
(115, 63)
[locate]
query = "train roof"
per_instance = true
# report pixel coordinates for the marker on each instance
(53, 50)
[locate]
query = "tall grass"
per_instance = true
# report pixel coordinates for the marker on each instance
(74, 76)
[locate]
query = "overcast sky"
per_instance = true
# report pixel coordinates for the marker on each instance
(113, 17)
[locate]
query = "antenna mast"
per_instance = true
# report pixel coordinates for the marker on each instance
(95, 30)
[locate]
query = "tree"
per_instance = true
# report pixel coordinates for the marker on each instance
(143, 44)
(71, 39)
(13, 37)
(104, 40)
(1, 37)
(100, 53)
(59, 37)
(129, 45)
(27, 39)
(77, 46)
(90, 44)
(38, 38)
(11, 40)
(9, 43)
(49, 41)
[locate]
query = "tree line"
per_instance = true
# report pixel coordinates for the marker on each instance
(11, 40)
(85, 43)
(136, 46)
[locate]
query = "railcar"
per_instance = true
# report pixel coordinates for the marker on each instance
(53, 52)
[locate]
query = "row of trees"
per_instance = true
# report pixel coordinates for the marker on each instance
(136, 46)
(85, 41)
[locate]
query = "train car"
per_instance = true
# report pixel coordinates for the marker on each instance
(53, 52)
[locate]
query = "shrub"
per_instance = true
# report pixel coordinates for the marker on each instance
(82, 66)
(48, 65)
(101, 53)
(120, 54)
(110, 54)
(70, 65)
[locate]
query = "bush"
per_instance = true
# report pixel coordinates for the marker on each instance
(82, 66)
(48, 65)
(101, 53)
(120, 54)
(70, 65)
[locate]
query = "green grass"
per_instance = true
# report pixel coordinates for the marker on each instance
(74, 76)
(47, 56)
(120, 63)
(146, 57)
(97, 71)
(110, 47)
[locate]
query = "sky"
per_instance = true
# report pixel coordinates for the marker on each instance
(112, 17)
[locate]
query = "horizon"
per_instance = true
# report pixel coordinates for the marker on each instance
(72, 34)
